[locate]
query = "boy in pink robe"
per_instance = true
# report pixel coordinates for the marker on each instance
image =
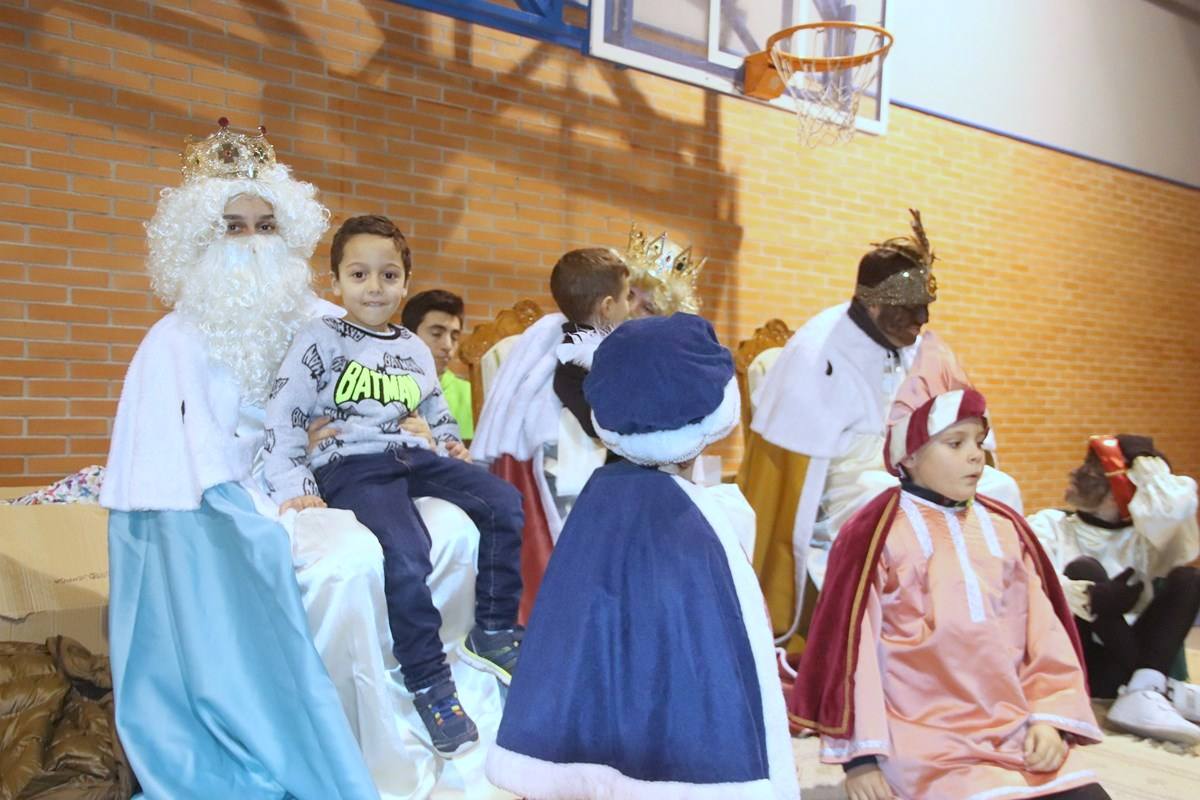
(943, 662)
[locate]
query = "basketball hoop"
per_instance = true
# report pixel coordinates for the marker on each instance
(827, 88)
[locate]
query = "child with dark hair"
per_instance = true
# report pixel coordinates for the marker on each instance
(942, 662)
(371, 225)
(591, 288)
(535, 428)
(379, 384)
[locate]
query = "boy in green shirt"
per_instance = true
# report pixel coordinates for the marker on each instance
(436, 317)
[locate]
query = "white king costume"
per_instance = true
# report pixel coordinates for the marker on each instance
(815, 452)
(215, 603)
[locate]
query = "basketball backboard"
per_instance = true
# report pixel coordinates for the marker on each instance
(703, 42)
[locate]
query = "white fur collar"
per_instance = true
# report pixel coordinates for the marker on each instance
(581, 347)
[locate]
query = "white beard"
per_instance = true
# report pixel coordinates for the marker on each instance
(248, 295)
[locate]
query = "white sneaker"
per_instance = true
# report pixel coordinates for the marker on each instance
(1143, 709)
(1185, 697)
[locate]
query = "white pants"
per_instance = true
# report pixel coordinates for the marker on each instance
(339, 566)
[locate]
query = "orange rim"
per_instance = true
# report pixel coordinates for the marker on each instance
(802, 64)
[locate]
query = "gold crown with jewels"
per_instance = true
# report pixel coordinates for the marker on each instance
(665, 270)
(227, 154)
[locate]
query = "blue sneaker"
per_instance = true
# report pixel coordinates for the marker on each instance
(494, 652)
(451, 731)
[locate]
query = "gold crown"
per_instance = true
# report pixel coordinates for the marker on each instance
(910, 287)
(664, 268)
(227, 154)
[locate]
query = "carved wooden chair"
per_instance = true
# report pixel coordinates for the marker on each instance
(753, 357)
(487, 344)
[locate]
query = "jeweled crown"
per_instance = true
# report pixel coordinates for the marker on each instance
(227, 154)
(666, 269)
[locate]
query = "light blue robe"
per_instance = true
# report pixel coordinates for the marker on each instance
(220, 692)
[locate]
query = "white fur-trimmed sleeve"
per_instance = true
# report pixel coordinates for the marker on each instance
(174, 435)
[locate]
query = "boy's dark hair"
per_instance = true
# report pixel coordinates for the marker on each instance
(375, 225)
(582, 278)
(422, 303)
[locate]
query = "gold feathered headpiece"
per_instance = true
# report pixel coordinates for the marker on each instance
(909, 286)
(665, 270)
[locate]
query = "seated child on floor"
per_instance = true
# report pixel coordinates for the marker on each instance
(942, 661)
(379, 384)
(1126, 558)
(648, 668)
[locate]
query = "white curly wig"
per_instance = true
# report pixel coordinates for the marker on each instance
(189, 219)
(247, 295)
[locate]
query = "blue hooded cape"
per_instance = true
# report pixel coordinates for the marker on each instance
(637, 677)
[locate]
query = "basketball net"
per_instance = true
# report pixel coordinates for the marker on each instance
(827, 98)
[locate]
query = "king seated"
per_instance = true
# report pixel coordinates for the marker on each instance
(216, 602)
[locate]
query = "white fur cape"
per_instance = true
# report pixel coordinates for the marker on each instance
(174, 432)
(825, 387)
(520, 409)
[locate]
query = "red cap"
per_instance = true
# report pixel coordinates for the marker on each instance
(1112, 460)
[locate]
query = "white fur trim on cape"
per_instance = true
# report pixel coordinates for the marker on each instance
(682, 444)
(175, 434)
(830, 383)
(732, 520)
(546, 780)
(581, 348)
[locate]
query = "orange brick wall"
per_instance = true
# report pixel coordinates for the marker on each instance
(1069, 288)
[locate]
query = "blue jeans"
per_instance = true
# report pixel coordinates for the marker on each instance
(379, 489)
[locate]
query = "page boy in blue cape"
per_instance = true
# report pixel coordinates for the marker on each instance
(648, 669)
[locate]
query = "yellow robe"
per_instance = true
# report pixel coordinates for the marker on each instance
(772, 479)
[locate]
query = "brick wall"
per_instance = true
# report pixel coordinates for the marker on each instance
(1069, 288)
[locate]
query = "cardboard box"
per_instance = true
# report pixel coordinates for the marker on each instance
(54, 572)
